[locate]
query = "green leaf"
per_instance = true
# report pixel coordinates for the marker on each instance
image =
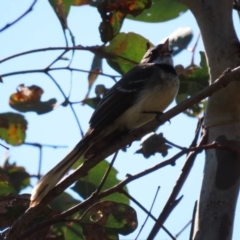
(63, 201)
(192, 80)
(16, 176)
(127, 50)
(67, 230)
(160, 11)
(86, 186)
(27, 99)
(5, 188)
(13, 128)
(73, 231)
(96, 68)
(108, 218)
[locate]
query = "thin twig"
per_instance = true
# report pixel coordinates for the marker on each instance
(194, 49)
(73, 42)
(95, 49)
(40, 146)
(182, 230)
(174, 145)
(150, 210)
(20, 17)
(178, 186)
(193, 220)
(106, 174)
(55, 69)
(66, 100)
(44, 145)
(40, 163)
(145, 210)
(58, 58)
(4, 146)
(70, 88)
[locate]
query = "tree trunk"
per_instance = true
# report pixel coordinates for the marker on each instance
(217, 202)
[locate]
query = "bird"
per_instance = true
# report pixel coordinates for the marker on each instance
(146, 89)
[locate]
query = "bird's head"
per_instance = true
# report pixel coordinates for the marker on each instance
(159, 54)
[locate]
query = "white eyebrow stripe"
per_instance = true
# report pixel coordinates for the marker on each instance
(120, 89)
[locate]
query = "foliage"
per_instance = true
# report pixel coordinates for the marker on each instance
(113, 216)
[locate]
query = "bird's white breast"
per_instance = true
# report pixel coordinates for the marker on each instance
(156, 100)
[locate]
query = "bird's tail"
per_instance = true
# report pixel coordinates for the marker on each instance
(50, 180)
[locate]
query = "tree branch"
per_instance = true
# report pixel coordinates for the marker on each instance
(117, 188)
(19, 18)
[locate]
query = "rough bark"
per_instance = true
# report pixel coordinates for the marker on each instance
(216, 206)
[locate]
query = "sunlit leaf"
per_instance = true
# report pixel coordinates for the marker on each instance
(28, 99)
(114, 12)
(62, 8)
(96, 68)
(127, 50)
(132, 7)
(108, 219)
(13, 128)
(160, 11)
(86, 186)
(111, 22)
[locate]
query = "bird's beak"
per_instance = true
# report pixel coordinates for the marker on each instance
(165, 47)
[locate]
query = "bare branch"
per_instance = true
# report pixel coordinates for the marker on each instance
(66, 101)
(55, 69)
(19, 18)
(4, 146)
(144, 223)
(95, 49)
(181, 231)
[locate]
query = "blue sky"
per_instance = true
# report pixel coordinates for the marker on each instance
(40, 29)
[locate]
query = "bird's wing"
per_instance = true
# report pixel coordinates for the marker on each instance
(121, 96)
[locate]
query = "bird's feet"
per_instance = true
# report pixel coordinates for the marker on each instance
(158, 114)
